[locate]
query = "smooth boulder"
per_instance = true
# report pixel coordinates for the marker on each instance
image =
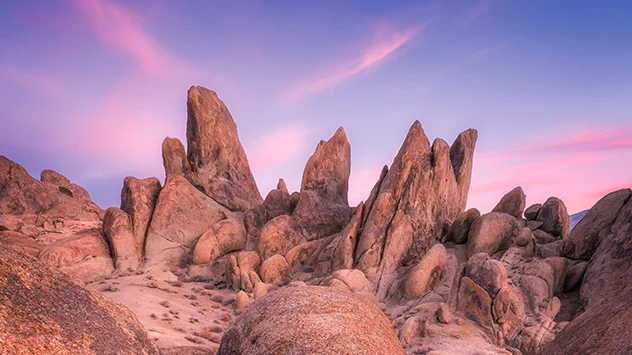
(311, 320)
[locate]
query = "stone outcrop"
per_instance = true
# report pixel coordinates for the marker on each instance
(413, 205)
(223, 237)
(117, 227)
(43, 312)
(217, 159)
(424, 275)
(54, 221)
(241, 271)
(323, 207)
(491, 232)
(182, 214)
(278, 237)
(460, 228)
(609, 269)
(512, 203)
(554, 218)
(174, 158)
(531, 213)
(275, 270)
(585, 237)
(138, 200)
(296, 320)
(605, 325)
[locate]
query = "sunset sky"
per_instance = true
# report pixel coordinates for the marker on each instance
(90, 88)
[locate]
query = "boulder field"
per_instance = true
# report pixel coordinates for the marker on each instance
(408, 270)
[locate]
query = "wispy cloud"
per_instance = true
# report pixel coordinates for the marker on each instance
(28, 79)
(277, 147)
(383, 45)
(590, 139)
(119, 28)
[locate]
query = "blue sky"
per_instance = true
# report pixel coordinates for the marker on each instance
(90, 88)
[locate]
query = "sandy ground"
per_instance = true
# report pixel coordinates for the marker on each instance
(181, 317)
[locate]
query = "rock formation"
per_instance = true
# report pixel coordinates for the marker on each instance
(415, 203)
(448, 280)
(311, 320)
(182, 214)
(323, 208)
(217, 159)
(52, 220)
(43, 312)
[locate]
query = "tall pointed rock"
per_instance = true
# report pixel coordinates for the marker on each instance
(218, 161)
(323, 207)
(425, 188)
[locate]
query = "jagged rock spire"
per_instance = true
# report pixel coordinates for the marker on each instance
(218, 161)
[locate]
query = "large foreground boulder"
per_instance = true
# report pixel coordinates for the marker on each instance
(311, 320)
(43, 312)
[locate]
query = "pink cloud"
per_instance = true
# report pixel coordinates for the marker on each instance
(29, 80)
(595, 138)
(277, 147)
(119, 28)
(579, 167)
(386, 42)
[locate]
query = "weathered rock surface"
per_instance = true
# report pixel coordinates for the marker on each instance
(278, 237)
(241, 271)
(323, 207)
(21, 194)
(491, 232)
(423, 277)
(117, 227)
(349, 280)
(43, 312)
(218, 161)
(512, 203)
(414, 205)
(223, 237)
(531, 213)
(554, 218)
(609, 270)
(295, 320)
(182, 214)
(53, 220)
(460, 228)
(174, 158)
(138, 199)
(585, 237)
(275, 270)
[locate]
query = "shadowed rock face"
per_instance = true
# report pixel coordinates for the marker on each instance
(218, 161)
(606, 325)
(43, 312)
(311, 320)
(423, 191)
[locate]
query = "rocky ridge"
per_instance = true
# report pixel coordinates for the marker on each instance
(513, 280)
